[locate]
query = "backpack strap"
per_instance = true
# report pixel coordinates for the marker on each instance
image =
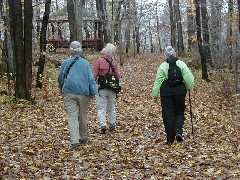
(110, 65)
(70, 66)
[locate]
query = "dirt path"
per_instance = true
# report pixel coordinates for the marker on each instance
(34, 139)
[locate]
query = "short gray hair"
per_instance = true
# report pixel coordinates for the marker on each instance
(170, 51)
(109, 49)
(75, 48)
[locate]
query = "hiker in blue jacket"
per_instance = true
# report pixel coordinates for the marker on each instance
(172, 97)
(78, 86)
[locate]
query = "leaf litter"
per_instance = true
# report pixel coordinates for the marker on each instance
(35, 142)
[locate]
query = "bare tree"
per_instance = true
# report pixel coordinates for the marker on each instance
(199, 40)
(21, 33)
(75, 19)
(230, 32)
(205, 32)
(215, 30)
(43, 43)
(172, 23)
(180, 45)
(102, 14)
(190, 25)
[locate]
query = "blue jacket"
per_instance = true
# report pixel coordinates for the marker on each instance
(80, 79)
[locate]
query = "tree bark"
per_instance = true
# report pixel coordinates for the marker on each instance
(230, 32)
(101, 13)
(28, 18)
(205, 34)
(180, 45)
(43, 42)
(199, 40)
(215, 31)
(172, 23)
(16, 24)
(71, 20)
(190, 25)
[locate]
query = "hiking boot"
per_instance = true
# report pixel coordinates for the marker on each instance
(74, 146)
(179, 138)
(103, 128)
(112, 127)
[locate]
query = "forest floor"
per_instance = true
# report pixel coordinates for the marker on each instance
(35, 142)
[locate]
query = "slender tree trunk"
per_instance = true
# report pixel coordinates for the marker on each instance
(190, 25)
(230, 32)
(102, 14)
(71, 20)
(117, 17)
(205, 32)
(199, 40)
(180, 45)
(127, 31)
(150, 37)
(158, 31)
(173, 26)
(78, 8)
(120, 40)
(28, 18)
(238, 4)
(16, 24)
(215, 31)
(43, 42)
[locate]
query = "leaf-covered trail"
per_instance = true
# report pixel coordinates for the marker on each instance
(35, 142)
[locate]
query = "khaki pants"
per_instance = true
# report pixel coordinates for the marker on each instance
(77, 106)
(106, 105)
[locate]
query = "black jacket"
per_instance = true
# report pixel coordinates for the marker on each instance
(166, 89)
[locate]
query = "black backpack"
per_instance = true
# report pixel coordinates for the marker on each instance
(175, 77)
(109, 81)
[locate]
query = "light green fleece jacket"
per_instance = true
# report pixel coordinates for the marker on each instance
(162, 74)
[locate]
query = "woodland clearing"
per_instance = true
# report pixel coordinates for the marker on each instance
(34, 136)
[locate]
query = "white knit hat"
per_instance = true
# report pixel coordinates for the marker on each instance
(109, 49)
(170, 51)
(75, 47)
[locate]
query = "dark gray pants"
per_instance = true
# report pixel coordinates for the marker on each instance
(173, 108)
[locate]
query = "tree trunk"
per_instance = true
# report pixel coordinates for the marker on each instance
(137, 25)
(205, 34)
(173, 26)
(78, 8)
(127, 31)
(180, 45)
(158, 31)
(43, 42)
(215, 31)
(199, 40)
(16, 24)
(238, 4)
(230, 32)
(190, 25)
(150, 37)
(28, 18)
(117, 17)
(102, 14)
(71, 20)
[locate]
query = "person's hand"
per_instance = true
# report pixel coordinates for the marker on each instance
(91, 98)
(155, 100)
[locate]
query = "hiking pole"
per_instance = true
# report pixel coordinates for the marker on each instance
(190, 108)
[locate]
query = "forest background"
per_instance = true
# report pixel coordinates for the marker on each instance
(34, 131)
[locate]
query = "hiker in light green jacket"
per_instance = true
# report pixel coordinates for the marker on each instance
(172, 96)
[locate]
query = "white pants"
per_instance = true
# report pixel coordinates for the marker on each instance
(77, 106)
(106, 105)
